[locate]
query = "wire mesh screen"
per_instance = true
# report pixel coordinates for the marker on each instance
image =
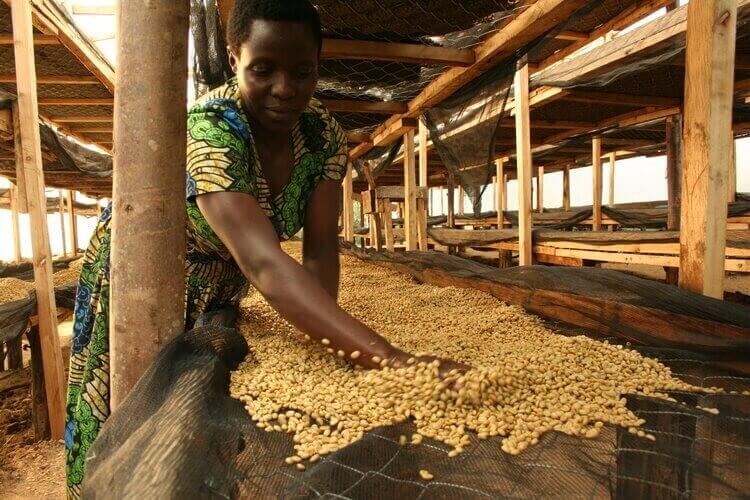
(377, 160)
(181, 434)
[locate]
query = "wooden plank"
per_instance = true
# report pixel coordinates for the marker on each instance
(353, 106)
(82, 119)
(7, 39)
(56, 79)
(72, 222)
(540, 190)
(410, 197)
(22, 198)
(347, 216)
(15, 223)
(77, 101)
(524, 164)
(709, 78)
(596, 158)
(566, 188)
(34, 177)
(397, 129)
(398, 52)
(611, 190)
(641, 101)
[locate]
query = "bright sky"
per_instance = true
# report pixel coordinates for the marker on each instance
(637, 179)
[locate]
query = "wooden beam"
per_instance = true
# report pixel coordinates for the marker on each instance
(423, 203)
(22, 198)
(611, 190)
(674, 178)
(624, 19)
(61, 210)
(540, 190)
(15, 223)
(524, 165)
(732, 176)
(56, 79)
(590, 97)
(34, 176)
(596, 159)
(7, 39)
(500, 192)
(709, 76)
(575, 36)
(353, 106)
(566, 188)
(398, 52)
(398, 128)
(410, 191)
(92, 130)
(347, 216)
(82, 119)
(77, 101)
(72, 222)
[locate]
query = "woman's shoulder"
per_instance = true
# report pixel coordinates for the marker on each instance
(220, 106)
(316, 112)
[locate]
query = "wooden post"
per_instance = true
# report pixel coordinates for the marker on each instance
(460, 200)
(540, 190)
(384, 206)
(709, 80)
(451, 201)
(40, 409)
(15, 223)
(410, 192)
(674, 177)
(72, 223)
(423, 203)
(596, 161)
(566, 188)
(33, 174)
(22, 203)
(504, 256)
(612, 160)
(524, 165)
(347, 218)
(148, 227)
(61, 209)
(732, 177)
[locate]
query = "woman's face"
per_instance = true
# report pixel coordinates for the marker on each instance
(277, 71)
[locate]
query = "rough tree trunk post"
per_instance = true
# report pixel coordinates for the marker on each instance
(148, 235)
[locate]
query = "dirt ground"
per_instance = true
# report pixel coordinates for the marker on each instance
(29, 469)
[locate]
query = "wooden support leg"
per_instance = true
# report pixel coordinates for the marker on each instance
(385, 214)
(709, 79)
(14, 354)
(596, 158)
(674, 176)
(422, 223)
(410, 192)
(566, 188)
(61, 209)
(524, 166)
(376, 234)
(15, 223)
(72, 222)
(39, 412)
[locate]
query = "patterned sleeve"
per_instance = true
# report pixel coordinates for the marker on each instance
(218, 151)
(335, 166)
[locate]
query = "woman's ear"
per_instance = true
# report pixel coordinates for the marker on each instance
(233, 59)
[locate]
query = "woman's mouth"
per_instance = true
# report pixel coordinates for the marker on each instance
(281, 114)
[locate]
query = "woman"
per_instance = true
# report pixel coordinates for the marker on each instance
(264, 160)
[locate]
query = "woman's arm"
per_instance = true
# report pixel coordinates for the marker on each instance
(320, 248)
(291, 290)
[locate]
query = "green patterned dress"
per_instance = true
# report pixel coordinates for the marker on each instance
(221, 156)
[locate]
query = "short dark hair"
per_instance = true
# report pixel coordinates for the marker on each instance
(245, 12)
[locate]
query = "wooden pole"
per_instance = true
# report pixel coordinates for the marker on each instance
(451, 201)
(410, 191)
(504, 190)
(61, 209)
(148, 227)
(384, 206)
(612, 161)
(423, 203)
(15, 223)
(30, 141)
(22, 203)
(709, 80)
(72, 223)
(524, 165)
(500, 191)
(732, 177)
(566, 188)
(596, 157)
(674, 176)
(460, 200)
(540, 190)
(348, 202)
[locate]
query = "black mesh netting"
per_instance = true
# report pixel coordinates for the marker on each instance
(15, 316)
(377, 160)
(180, 435)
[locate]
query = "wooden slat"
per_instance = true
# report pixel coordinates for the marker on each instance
(7, 39)
(82, 119)
(524, 165)
(34, 176)
(353, 106)
(709, 78)
(77, 101)
(410, 191)
(398, 52)
(56, 79)
(596, 159)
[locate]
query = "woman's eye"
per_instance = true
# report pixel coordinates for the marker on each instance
(260, 70)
